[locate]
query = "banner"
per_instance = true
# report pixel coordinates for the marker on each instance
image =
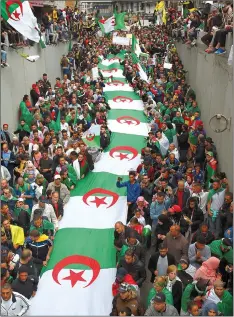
(121, 40)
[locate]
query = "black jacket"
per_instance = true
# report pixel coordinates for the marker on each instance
(25, 288)
(104, 141)
(185, 278)
(136, 269)
(179, 220)
(30, 266)
(200, 153)
(186, 196)
(153, 262)
(119, 239)
(177, 291)
(208, 236)
(196, 216)
(183, 141)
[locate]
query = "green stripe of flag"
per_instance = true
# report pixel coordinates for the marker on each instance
(73, 241)
(114, 65)
(122, 80)
(95, 142)
(109, 95)
(139, 115)
(11, 8)
(121, 139)
(98, 180)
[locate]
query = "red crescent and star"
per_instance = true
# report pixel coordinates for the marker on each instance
(122, 99)
(121, 155)
(100, 200)
(128, 120)
(75, 277)
(16, 14)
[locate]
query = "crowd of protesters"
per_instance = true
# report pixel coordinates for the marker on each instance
(215, 22)
(180, 209)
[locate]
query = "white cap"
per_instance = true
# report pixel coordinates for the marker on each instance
(21, 199)
(57, 177)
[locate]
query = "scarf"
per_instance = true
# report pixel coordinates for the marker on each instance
(171, 283)
(24, 127)
(76, 166)
(213, 297)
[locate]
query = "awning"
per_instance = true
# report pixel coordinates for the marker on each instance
(36, 3)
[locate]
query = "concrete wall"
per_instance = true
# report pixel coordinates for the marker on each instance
(212, 79)
(17, 79)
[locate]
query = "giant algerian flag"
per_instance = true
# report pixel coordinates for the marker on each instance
(79, 276)
(116, 22)
(91, 137)
(19, 15)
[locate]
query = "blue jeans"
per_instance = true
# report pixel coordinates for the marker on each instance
(215, 226)
(3, 56)
(47, 35)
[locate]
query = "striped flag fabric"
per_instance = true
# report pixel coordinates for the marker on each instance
(79, 276)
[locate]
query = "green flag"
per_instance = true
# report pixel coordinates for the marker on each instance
(116, 22)
(25, 114)
(57, 126)
(134, 42)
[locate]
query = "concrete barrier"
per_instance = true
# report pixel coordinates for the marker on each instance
(212, 79)
(17, 80)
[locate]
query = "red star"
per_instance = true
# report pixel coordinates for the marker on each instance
(129, 122)
(122, 156)
(99, 201)
(16, 15)
(75, 277)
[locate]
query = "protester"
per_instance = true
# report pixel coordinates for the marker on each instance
(176, 188)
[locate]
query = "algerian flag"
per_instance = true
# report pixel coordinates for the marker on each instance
(135, 46)
(19, 15)
(116, 22)
(82, 266)
(117, 85)
(91, 137)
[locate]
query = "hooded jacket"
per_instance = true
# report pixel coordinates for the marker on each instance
(131, 302)
(196, 215)
(208, 270)
(170, 311)
(39, 248)
(136, 269)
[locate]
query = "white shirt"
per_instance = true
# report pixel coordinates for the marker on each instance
(217, 200)
(202, 196)
(48, 212)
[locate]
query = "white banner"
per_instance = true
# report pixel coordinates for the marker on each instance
(121, 40)
(95, 73)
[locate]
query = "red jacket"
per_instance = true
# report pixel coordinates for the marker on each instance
(127, 279)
